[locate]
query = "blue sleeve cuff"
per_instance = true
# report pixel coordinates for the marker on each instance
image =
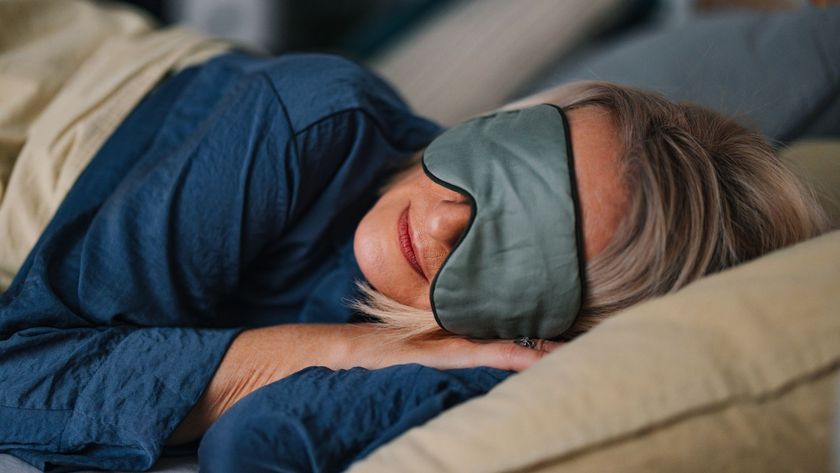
(143, 387)
(323, 420)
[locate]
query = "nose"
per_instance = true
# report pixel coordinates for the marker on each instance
(447, 221)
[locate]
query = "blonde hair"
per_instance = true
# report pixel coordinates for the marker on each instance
(705, 193)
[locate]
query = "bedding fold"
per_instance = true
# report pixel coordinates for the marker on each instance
(70, 72)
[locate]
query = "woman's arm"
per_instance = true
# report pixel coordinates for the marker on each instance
(102, 349)
(261, 356)
(324, 420)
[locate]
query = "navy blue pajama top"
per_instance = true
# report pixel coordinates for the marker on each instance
(227, 199)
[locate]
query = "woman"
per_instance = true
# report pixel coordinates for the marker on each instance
(236, 206)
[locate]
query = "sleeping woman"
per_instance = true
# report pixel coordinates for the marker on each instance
(278, 248)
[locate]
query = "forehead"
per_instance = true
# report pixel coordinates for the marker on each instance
(602, 192)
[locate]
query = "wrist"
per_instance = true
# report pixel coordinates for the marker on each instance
(229, 383)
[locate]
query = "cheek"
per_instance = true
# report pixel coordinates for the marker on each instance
(378, 256)
(368, 248)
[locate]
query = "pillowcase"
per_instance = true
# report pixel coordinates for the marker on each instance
(818, 163)
(736, 372)
(778, 71)
(472, 55)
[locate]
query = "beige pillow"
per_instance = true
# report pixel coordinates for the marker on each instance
(736, 372)
(818, 162)
(475, 54)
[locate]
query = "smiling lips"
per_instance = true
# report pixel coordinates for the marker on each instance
(404, 235)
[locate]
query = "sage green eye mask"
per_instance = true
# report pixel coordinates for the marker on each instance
(516, 270)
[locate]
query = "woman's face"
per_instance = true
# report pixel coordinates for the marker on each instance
(404, 239)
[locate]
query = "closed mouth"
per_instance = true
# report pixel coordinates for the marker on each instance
(406, 246)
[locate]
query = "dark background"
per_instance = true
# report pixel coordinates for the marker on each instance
(354, 28)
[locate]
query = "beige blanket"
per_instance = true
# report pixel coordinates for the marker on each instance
(70, 71)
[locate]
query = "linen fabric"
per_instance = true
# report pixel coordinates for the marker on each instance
(776, 71)
(516, 269)
(817, 162)
(70, 72)
(469, 59)
(319, 420)
(227, 199)
(735, 372)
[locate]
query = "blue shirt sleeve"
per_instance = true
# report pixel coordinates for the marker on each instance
(78, 390)
(319, 420)
(205, 207)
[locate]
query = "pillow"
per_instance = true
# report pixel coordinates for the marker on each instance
(818, 162)
(467, 59)
(779, 71)
(736, 372)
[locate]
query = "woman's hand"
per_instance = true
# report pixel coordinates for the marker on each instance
(261, 356)
(370, 346)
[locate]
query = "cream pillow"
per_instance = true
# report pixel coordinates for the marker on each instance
(473, 55)
(736, 372)
(818, 162)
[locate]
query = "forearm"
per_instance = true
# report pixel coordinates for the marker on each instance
(260, 356)
(256, 357)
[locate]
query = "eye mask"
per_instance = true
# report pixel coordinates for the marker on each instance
(516, 270)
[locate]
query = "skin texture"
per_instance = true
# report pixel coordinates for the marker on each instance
(263, 355)
(437, 216)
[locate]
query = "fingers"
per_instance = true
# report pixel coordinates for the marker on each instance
(507, 355)
(547, 346)
(517, 358)
(540, 344)
(372, 347)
